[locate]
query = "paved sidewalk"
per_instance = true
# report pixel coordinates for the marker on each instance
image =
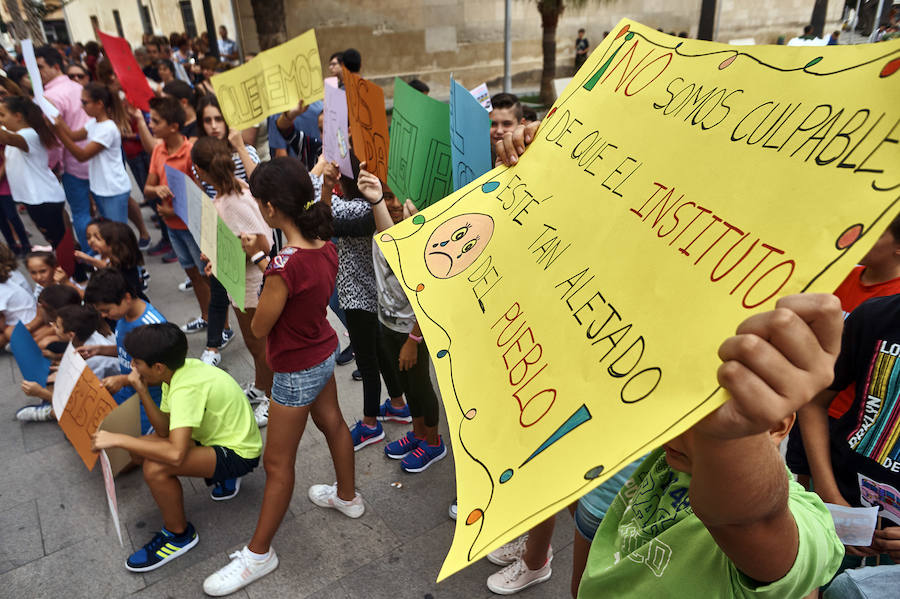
(57, 538)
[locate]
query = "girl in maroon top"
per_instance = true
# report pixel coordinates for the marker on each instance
(301, 347)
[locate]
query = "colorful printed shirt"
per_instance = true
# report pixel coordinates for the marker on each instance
(865, 442)
(650, 544)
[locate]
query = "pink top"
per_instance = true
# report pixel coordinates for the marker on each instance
(66, 96)
(241, 213)
(4, 182)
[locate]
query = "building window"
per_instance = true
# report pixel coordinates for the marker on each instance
(187, 15)
(118, 20)
(145, 19)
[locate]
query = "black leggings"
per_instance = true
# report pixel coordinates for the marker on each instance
(217, 313)
(49, 220)
(363, 328)
(10, 221)
(415, 382)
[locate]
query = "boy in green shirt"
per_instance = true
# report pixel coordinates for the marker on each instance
(203, 427)
(715, 513)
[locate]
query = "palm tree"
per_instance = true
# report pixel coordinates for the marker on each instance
(270, 24)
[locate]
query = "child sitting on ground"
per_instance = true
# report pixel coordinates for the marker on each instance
(204, 427)
(79, 325)
(113, 298)
(16, 304)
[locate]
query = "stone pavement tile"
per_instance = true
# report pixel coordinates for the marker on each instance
(332, 591)
(411, 570)
(421, 501)
(38, 435)
(186, 583)
(34, 474)
(318, 547)
(220, 524)
(87, 569)
(11, 443)
(20, 542)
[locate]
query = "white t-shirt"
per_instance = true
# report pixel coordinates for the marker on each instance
(19, 279)
(30, 179)
(106, 170)
(16, 304)
(103, 366)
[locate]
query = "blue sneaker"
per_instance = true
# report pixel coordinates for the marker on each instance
(387, 411)
(424, 456)
(364, 435)
(162, 548)
(226, 489)
(399, 449)
(227, 336)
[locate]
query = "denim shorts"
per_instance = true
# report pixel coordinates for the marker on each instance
(593, 506)
(186, 249)
(301, 388)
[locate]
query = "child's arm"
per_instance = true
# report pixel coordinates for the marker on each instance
(89, 351)
(370, 187)
(409, 351)
(237, 142)
(60, 127)
(88, 259)
(271, 303)
(158, 418)
(68, 139)
(154, 191)
(168, 450)
(143, 131)
(813, 421)
(8, 138)
(32, 389)
(739, 488)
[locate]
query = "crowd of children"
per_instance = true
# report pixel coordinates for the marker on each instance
(714, 509)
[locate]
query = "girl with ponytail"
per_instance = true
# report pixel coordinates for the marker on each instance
(109, 180)
(27, 138)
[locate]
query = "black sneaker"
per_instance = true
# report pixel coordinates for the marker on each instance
(346, 356)
(162, 548)
(357, 375)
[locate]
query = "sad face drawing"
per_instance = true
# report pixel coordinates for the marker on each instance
(457, 243)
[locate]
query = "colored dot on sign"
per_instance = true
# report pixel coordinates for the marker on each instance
(593, 473)
(678, 45)
(507, 474)
(386, 237)
(474, 517)
(420, 287)
(471, 414)
(623, 31)
(849, 236)
(490, 186)
(727, 62)
(418, 219)
(442, 353)
(890, 68)
(629, 36)
(549, 114)
(813, 61)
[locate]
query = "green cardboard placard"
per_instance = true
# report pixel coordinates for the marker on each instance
(231, 263)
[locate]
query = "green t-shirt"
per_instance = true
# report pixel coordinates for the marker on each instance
(651, 544)
(209, 401)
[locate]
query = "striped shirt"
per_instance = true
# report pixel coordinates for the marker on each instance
(239, 171)
(150, 316)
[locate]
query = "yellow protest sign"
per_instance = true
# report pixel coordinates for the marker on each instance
(274, 81)
(573, 304)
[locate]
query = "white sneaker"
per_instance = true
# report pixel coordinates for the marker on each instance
(517, 577)
(326, 496)
(261, 412)
(452, 511)
(507, 554)
(211, 357)
(253, 393)
(185, 286)
(242, 570)
(37, 413)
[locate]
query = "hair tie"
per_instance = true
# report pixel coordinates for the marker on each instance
(41, 248)
(309, 204)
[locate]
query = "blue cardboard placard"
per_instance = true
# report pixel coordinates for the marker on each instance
(32, 362)
(178, 187)
(470, 136)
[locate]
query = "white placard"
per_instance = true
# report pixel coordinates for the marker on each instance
(854, 525)
(37, 85)
(70, 369)
(483, 96)
(110, 485)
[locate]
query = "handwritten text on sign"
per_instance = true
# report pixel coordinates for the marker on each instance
(276, 80)
(574, 304)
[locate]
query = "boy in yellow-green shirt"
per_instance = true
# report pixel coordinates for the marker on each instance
(204, 427)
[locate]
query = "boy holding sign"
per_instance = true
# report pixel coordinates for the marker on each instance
(715, 512)
(204, 427)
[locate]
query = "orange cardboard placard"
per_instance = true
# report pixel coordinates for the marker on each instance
(88, 405)
(368, 123)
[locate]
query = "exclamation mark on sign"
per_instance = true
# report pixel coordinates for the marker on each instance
(580, 416)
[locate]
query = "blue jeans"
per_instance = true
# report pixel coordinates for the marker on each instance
(862, 583)
(78, 195)
(114, 207)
